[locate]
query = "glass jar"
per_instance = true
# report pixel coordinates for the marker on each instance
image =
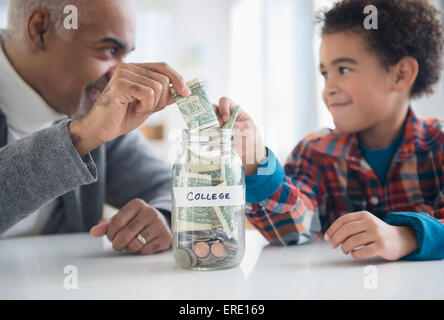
(208, 202)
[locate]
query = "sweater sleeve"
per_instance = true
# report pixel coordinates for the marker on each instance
(429, 232)
(37, 169)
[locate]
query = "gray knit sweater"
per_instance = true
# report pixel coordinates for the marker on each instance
(46, 166)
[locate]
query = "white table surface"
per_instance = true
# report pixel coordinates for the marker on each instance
(33, 268)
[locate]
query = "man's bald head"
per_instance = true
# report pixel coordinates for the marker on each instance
(19, 11)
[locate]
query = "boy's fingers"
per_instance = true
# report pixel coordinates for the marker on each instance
(345, 231)
(356, 241)
(217, 112)
(368, 251)
(225, 105)
(340, 222)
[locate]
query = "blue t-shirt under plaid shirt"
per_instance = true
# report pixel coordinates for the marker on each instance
(381, 159)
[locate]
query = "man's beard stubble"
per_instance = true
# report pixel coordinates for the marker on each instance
(91, 95)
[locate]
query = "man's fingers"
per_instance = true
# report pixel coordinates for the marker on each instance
(100, 229)
(149, 233)
(145, 81)
(156, 245)
(125, 235)
(162, 80)
(138, 223)
(170, 99)
(121, 218)
(133, 91)
(178, 82)
(340, 222)
(345, 231)
(150, 87)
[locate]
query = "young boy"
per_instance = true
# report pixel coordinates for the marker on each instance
(375, 185)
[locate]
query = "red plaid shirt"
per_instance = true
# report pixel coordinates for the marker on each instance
(326, 176)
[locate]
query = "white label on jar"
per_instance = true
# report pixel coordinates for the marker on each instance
(209, 196)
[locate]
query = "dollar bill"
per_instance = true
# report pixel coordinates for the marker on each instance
(204, 157)
(182, 224)
(190, 179)
(225, 215)
(195, 218)
(196, 109)
(201, 168)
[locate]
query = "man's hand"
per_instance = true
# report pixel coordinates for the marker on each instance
(377, 238)
(134, 92)
(248, 141)
(135, 218)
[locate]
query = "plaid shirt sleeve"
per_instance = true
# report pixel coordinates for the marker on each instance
(283, 204)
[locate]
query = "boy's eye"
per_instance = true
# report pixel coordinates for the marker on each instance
(324, 74)
(343, 70)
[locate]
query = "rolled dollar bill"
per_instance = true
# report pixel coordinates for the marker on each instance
(196, 109)
(225, 215)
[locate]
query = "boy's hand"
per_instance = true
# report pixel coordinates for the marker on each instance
(248, 141)
(377, 237)
(135, 218)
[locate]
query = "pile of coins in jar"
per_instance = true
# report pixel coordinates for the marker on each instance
(205, 249)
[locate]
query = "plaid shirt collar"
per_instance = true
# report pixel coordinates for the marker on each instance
(417, 138)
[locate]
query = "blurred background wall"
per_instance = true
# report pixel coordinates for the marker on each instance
(264, 54)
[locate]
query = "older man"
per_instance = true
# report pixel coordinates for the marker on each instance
(56, 172)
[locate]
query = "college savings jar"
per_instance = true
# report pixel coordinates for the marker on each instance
(208, 202)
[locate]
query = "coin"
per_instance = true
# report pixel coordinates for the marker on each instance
(185, 258)
(207, 261)
(201, 249)
(218, 249)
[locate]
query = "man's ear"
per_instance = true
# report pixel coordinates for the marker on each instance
(405, 73)
(37, 30)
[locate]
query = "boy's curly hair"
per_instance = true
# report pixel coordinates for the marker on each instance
(405, 28)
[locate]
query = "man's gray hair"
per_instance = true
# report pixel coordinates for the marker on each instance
(19, 11)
